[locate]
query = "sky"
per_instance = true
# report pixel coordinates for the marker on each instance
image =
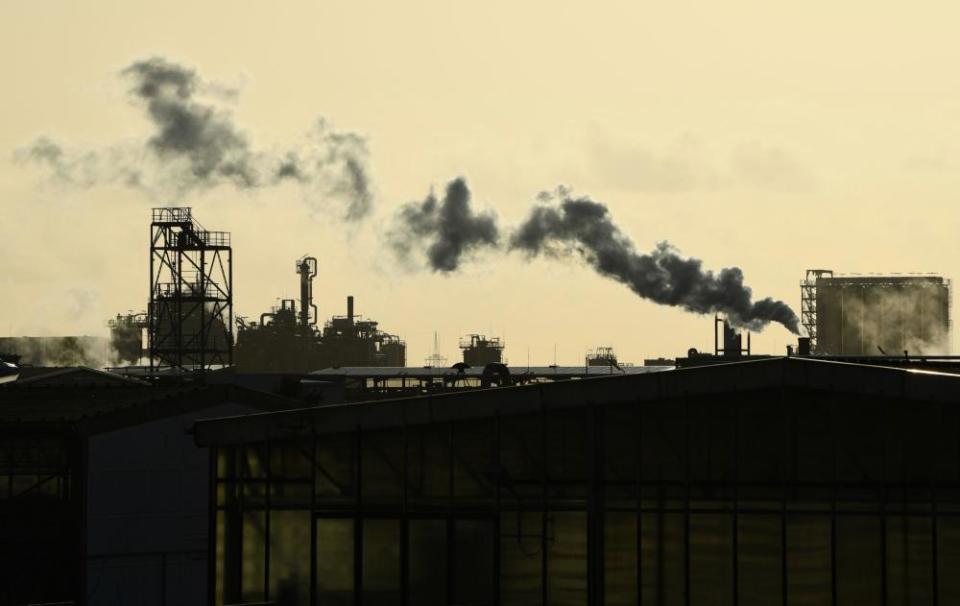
(769, 136)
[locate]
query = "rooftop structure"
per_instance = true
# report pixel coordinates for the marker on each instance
(478, 350)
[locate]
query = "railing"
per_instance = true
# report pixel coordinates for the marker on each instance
(172, 215)
(193, 238)
(187, 289)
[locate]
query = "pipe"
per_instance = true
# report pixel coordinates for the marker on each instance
(350, 308)
(307, 268)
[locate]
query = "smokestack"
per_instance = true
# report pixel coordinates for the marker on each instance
(803, 346)
(350, 308)
(307, 268)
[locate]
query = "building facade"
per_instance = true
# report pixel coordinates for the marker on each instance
(779, 481)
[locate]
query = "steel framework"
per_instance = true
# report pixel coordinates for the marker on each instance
(191, 298)
(808, 303)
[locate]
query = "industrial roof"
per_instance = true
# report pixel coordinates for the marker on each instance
(754, 375)
(72, 376)
(426, 372)
(880, 279)
(94, 408)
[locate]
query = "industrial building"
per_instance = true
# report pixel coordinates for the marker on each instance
(290, 341)
(876, 315)
(775, 481)
(478, 350)
(103, 494)
(309, 465)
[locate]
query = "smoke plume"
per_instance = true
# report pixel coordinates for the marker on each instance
(447, 229)
(195, 145)
(580, 226)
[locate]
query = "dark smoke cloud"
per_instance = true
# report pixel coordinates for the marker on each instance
(196, 145)
(201, 134)
(448, 229)
(584, 227)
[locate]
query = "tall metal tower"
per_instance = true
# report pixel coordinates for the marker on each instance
(808, 303)
(307, 270)
(191, 298)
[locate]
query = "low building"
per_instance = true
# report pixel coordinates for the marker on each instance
(782, 480)
(103, 493)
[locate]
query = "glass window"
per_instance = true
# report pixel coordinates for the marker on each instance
(711, 559)
(290, 557)
(909, 560)
(220, 561)
(567, 455)
(253, 559)
(521, 459)
(382, 463)
(521, 558)
(859, 559)
(427, 561)
(475, 461)
(808, 560)
(567, 558)
(428, 465)
(473, 553)
(290, 473)
(759, 564)
(620, 558)
(334, 555)
(381, 562)
(335, 469)
(662, 548)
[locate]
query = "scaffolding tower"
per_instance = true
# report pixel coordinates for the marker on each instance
(191, 298)
(808, 303)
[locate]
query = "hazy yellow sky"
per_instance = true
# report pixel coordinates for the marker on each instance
(772, 136)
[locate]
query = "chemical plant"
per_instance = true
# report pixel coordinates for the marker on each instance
(278, 461)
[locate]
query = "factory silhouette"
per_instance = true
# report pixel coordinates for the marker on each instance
(198, 457)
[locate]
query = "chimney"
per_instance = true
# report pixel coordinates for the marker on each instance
(803, 346)
(732, 342)
(350, 308)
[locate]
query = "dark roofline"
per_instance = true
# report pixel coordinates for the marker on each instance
(753, 375)
(884, 279)
(45, 373)
(145, 406)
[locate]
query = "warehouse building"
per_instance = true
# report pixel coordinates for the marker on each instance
(777, 481)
